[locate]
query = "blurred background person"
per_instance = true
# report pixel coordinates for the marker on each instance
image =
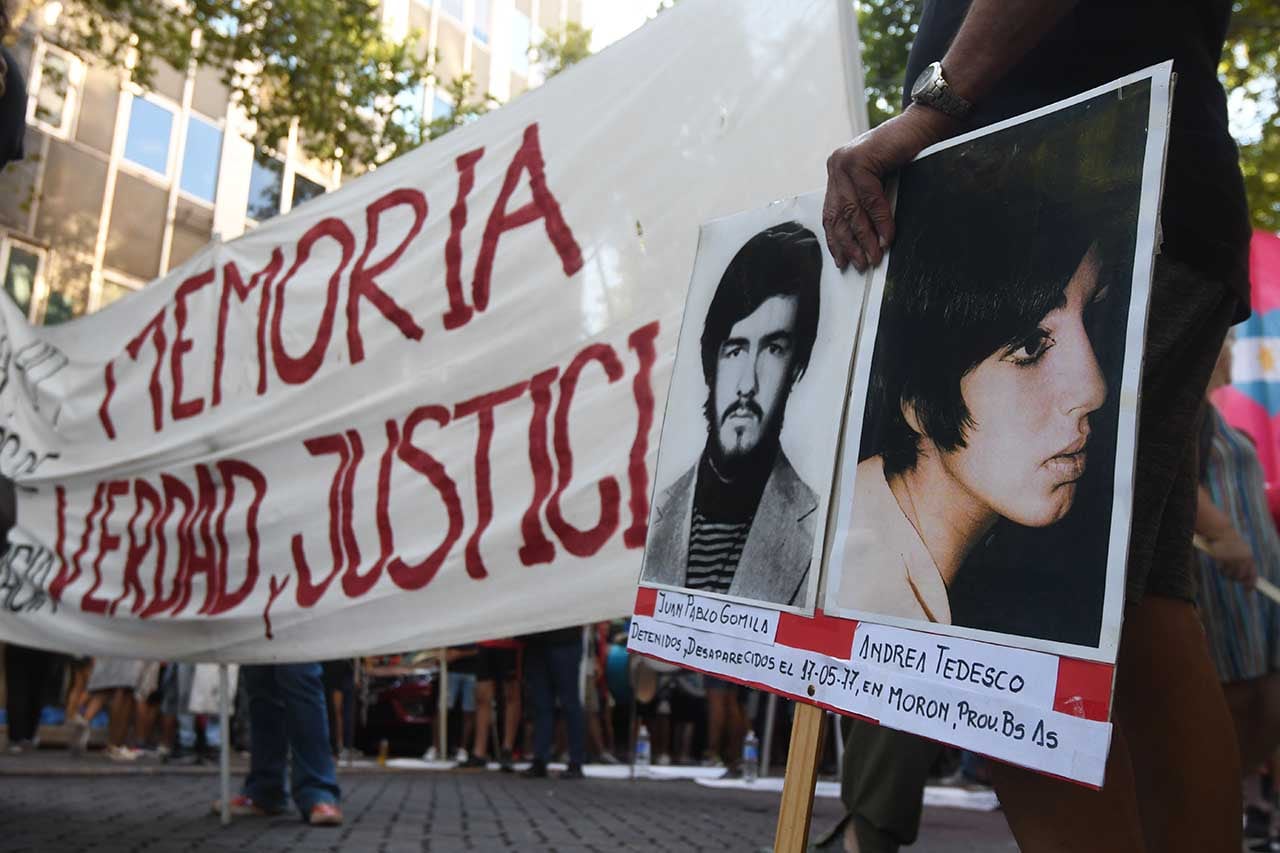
(497, 665)
(111, 686)
(26, 675)
(1238, 543)
(551, 663)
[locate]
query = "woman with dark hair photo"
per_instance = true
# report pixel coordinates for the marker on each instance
(989, 378)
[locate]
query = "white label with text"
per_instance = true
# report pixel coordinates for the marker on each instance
(719, 617)
(992, 722)
(1028, 678)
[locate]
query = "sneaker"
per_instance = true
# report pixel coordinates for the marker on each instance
(574, 771)
(608, 758)
(460, 756)
(244, 806)
(325, 814)
(475, 762)
(430, 755)
(664, 760)
(15, 749)
(536, 770)
(122, 753)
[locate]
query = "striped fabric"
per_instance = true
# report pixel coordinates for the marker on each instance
(1242, 625)
(714, 551)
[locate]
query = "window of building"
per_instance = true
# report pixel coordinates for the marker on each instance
(147, 141)
(480, 27)
(521, 32)
(200, 159)
(305, 189)
(66, 293)
(457, 8)
(266, 187)
(55, 90)
(113, 291)
(21, 268)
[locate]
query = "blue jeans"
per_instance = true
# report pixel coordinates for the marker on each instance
(552, 672)
(287, 714)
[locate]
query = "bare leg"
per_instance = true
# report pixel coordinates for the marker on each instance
(511, 714)
(1173, 773)
(468, 728)
(484, 717)
(339, 730)
(716, 704)
(1255, 708)
(95, 703)
(119, 717)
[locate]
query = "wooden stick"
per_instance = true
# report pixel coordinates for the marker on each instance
(802, 774)
(1262, 585)
(1268, 589)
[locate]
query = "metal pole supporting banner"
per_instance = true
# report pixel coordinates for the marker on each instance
(442, 711)
(839, 736)
(766, 743)
(224, 735)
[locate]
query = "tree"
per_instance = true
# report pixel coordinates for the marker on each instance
(563, 47)
(325, 64)
(887, 29)
(1250, 71)
(465, 106)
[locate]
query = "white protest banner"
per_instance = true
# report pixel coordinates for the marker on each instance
(421, 410)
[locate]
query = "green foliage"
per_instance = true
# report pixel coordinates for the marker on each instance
(325, 64)
(1250, 71)
(563, 47)
(887, 28)
(465, 106)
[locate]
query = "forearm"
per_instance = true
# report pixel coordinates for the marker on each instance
(1211, 522)
(995, 36)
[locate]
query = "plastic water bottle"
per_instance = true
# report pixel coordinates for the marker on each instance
(643, 752)
(750, 757)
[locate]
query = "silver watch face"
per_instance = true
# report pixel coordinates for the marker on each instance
(931, 72)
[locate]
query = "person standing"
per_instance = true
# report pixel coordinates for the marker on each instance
(288, 719)
(1238, 543)
(26, 674)
(111, 685)
(977, 62)
(551, 665)
(497, 663)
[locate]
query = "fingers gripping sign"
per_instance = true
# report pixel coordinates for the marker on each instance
(856, 213)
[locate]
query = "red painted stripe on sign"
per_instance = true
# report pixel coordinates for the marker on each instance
(1084, 689)
(826, 635)
(646, 601)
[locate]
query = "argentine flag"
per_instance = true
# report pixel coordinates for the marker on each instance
(1252, 401)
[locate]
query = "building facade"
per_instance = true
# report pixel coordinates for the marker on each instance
(121, 184)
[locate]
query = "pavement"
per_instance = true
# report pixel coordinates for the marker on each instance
(51, 802)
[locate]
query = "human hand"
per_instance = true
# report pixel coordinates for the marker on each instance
(856, 213)
(1234, 558)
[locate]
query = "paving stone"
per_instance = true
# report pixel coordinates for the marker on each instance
(153, 811)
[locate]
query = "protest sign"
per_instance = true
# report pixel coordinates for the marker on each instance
(972, 577)
(421, 410)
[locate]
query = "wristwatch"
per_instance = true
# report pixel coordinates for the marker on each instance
(931, 90)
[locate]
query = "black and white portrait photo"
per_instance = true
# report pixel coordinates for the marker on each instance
(987, 473)
(749, 441)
